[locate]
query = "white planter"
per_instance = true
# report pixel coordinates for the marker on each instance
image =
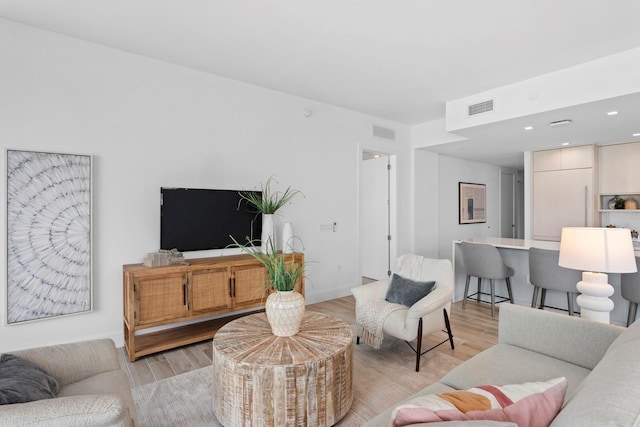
(267, 239)
(285, 310)
(287, 238)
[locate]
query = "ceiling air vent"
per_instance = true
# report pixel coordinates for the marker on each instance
(385, 133)
(481, 107)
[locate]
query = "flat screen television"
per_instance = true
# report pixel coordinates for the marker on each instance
(194, 219)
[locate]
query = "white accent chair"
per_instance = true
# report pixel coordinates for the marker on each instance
(428, 315)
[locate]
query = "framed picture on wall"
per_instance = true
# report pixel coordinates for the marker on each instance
(49, 263)
(472, 202)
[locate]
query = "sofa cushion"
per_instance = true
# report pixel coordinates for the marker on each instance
(506, 364)
(406, 291)
(610, 394)
(112, 382)
(532, 404)
(22, 381)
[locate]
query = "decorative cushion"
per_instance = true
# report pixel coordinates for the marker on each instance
(406, 291)
(532, 404)
(22, 381)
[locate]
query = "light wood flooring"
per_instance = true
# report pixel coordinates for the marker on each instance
(389, 371)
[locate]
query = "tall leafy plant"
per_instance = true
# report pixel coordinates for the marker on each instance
(270, 201)
(283, 273)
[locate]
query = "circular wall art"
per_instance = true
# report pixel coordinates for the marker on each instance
(48, 235)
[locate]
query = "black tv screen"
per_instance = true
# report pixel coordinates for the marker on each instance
(198, 219)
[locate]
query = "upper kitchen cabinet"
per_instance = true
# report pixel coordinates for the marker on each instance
(563, 190)
(619, 169)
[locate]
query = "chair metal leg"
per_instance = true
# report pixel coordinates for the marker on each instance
(466, 292)
(448, 325)
(543, 295)
(358, 340)
(508, 280)
(570, 303)
(479, 289)
(631, 317)
(418, 349)
(419, 345)
(534, 300)
(493, 297)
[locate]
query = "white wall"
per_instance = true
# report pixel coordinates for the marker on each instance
(150, 124)
(453, 171)
(427, 205)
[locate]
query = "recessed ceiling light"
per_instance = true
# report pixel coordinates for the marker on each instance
(612, 113)
(566, 143)
(636, 134)
(528, 127)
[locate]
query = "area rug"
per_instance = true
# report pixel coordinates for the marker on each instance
(184, 400)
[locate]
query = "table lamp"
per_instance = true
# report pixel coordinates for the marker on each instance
(596, 251)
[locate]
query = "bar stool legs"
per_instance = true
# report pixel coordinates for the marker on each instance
(493, 293)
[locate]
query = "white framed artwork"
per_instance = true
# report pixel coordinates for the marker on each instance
(49, 235)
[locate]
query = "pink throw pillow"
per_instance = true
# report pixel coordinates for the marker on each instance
(532, 404)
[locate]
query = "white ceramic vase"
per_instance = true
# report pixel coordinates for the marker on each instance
(267, 237)
(287, 238)
(285, 310)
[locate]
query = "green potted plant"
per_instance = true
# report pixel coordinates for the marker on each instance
(267, 204)
(284, 307)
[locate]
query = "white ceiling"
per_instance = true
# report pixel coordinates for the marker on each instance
(399, 60)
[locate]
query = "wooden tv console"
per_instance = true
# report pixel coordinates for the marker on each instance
(175, 294)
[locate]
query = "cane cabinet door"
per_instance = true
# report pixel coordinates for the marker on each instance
(160, 297)
(249, 286)
(210, 291)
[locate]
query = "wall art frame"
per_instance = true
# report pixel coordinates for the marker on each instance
(472, 203)
(48, 235)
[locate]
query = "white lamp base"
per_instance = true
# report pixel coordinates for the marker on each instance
(594, 300)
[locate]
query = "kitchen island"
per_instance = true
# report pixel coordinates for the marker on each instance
(515, 253)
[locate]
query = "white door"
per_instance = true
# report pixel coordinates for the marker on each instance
(374, 217)
(507, 204)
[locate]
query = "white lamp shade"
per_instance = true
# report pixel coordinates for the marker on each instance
(602, 250)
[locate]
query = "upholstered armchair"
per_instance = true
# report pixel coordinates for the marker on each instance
(376, 317)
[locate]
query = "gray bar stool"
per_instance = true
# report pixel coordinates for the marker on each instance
(546, 274)
(630, 285)
(485, 262)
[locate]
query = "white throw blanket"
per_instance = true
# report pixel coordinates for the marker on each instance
(369, 320)
(370, 316)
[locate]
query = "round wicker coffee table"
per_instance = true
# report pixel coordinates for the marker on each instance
(260, 379)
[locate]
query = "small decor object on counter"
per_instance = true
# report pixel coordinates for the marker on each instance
(631, 203)
(619, 202)
(287, 238)
(611, 204)
(634, 235)
(164, 257)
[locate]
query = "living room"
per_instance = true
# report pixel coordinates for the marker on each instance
(149, 123)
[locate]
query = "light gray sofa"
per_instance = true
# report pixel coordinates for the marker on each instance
(94, 390)
(601, 363)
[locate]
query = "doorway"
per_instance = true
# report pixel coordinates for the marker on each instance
(377, 215)
(511, 204)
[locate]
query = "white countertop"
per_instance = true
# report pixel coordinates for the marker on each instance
(500, 242)
(525, 244)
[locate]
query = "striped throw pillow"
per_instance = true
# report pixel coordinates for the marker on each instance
(532, 404)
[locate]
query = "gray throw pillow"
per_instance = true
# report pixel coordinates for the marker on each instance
(406, 291)
(22, 381)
